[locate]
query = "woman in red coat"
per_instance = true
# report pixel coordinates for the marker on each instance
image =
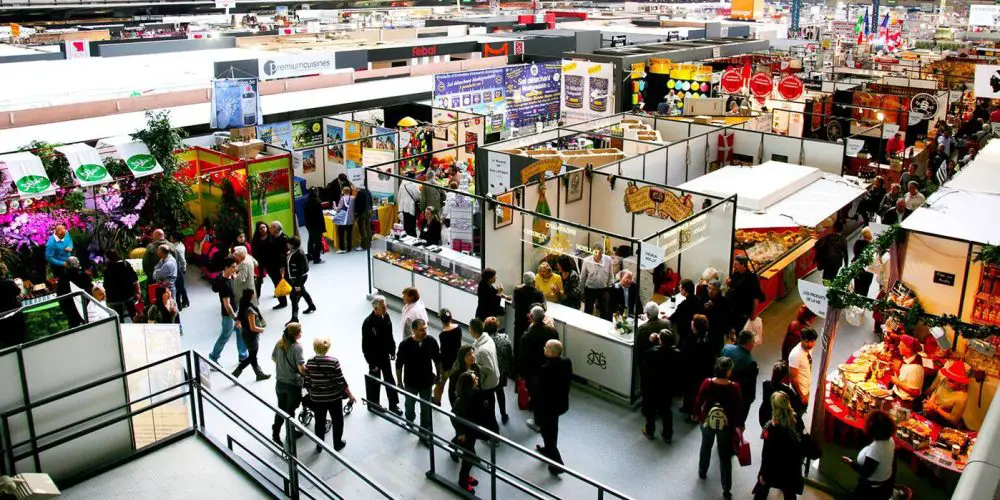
(793, 336)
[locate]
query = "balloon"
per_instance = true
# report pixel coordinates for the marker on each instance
(679, 85)
(670, 84)
(680, 104)
(687, 86)
(704, 87)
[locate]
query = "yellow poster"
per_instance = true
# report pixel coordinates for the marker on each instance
(551, 164)
(352, 150)
(657, 202)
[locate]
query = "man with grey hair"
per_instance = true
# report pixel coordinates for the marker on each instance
(379, 348)
(531, 353)
(525, 296)
(596, 278)
(551, 399)
(151, 257)
(245, 267)
(276, 258)
(652, 327)
(72, 275)
(914, 198)
(165, 272)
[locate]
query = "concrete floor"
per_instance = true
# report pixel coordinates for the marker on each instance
(597, 438)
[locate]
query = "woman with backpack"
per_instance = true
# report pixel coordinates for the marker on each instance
(719, 407)
(781, 456)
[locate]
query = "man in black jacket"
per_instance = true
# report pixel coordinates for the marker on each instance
(275, 260)
(625, 295)
(363, 206)
(653, 326)
(552, 400)
(316, 224)
(531, 355)
(897, 214)
(660, 383)
(525, 296)
(76, 276)
(379, 349)
(298, 272)
(744, 293)
(685, 311)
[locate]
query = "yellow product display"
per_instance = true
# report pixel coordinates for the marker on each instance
(659, 66)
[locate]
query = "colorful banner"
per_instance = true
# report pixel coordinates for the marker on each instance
(235, 103)
(587, 91)
(352, 152)
(480, 91)
(533, 92)
(276, 134)
(86, 164)
(28, 174)
(379, 149)
(334, 139)
(307, 133)
(657, 202)
(270, 183)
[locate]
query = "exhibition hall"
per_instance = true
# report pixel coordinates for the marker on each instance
(630, 250)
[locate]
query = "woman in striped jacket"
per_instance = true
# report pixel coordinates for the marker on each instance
(327, 388)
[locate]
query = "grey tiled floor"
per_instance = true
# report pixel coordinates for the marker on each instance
(597, 438)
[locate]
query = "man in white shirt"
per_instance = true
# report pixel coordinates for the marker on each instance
(486, 358)
(914, 198)
(595, 279)
(908, 383)
(407, 199)
(96, 308)
(800, 363)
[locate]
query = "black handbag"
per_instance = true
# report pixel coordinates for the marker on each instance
(810, 447)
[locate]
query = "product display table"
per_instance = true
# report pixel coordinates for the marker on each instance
(387, 217)
(600, 355)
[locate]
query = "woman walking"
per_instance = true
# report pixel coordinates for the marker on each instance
(327, 389)
(261, 247)
(248, 319)
(781, 456)
(345, 222)
(289, 366)
(471, 406)
(489, 295)
(719, 407)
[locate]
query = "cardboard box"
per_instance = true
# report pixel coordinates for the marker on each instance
(242, 134)
(244, 150)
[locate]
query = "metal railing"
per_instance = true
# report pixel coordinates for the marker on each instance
(496, 472)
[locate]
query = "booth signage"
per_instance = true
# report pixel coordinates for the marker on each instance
(77, 49)
(496, 49)
(85, 163)
(814, 297)
(987, 81)
(235, 103)
(552, 164)
(924, 106)
(791, 87)
(429, 51)
(532, 93)
(138, 159)
(28, 174)
(587, 91)
(657, 202)
(943, 278)
(289, 65)
(618, 40)
(761, 85)
(480, 91)
(732, 81)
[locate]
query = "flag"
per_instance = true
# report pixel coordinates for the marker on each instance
(858, 26)
(861, 38)
(867, 24)
(885, 21)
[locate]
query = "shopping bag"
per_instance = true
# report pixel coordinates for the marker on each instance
(756, 326)
(810, 447)
(741, 448)
(523, 400)
(282, 289)
(326, 246)
(340, 218)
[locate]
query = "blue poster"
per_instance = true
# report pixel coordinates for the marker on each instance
(276, 134)
(480, 91)
(532, 93)
(235, 103)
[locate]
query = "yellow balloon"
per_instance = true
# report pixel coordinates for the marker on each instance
(670, 84)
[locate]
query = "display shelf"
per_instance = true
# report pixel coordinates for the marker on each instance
(986, 305)
(788, 258)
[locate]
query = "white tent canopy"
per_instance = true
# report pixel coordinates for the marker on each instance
(958, 214)
(808, 207)
(983, 174)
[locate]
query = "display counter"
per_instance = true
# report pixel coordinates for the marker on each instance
(779, 256)
(444, 277)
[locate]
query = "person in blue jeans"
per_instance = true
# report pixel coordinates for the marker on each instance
(224, 287)
(419, 359)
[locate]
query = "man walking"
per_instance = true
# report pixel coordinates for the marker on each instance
(151, 257)
(531, 355)
(298, 272)
(379, 349)
(660, 380)
(418, 367)
(245, 269)
(276, 259)
(745, 368)
(800, 364)
(363, 206)
(653, 326)
(744, 292)
(553, 400)
(489, 367)
(227, 299)
(596, 278)
(165, 272)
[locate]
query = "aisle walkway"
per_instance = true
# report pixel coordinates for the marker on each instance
(597, 438)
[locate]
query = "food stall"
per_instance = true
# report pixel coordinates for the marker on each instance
(783, 210)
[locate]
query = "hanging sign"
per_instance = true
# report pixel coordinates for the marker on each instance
(551, 164)
(923, 106)
(791, 87)
(761, 85)
(77, 49)
(732, 81)
(657, 202)
(86, 164)
(235, 103)
(138, 159)
(28, 174)
(813, 296)
(650, 257)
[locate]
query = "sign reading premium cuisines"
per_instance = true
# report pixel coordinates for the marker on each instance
(290, 65)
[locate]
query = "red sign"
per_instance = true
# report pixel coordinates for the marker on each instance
(495, 50)
(791, 87)
(732, 81)
(425, 51)
(761, 84)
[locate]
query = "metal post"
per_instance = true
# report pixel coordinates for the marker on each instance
(493, 470)
(197, 382)
(192, 381)
(430, 432)
(293, 469)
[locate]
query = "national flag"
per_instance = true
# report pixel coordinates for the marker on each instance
(861, 38)
(867, 24)
(858, 27)
(885, 21)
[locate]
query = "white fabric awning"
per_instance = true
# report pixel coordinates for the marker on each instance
(28, 174)
(807, 207)
(135, 154)
(86, 164)
(958, 214)
(983, 174)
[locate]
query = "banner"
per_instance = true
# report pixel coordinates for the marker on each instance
(307, 133)
(276, 134)
(987, 82)
(271, 195)
(480, 91)
(352, 152)
(588, 91)
(138, 159)
(657, 202)
(334, 138)
(235, 103)
(381, 152)
(533, 93)
(85, 164)
(28, 174)
(284, 65)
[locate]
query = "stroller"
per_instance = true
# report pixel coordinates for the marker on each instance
(308, 413)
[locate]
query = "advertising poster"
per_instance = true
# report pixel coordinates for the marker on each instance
(235, 103)
(334, 136)
(276, 134)
(307, 133)
(380, 154)
(271, 192)
(480, 91)
(533, 93)
(309, 161)
(987, 82)
(587, 91)
(28, 174)
(352, 152)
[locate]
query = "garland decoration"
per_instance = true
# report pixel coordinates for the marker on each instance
(841, 297)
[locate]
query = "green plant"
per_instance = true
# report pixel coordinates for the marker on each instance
(116, 167)
(167, 206)
(74, 200)
(232, 219)
(989, 254)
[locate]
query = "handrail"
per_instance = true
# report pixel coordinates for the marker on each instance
(494, 438)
